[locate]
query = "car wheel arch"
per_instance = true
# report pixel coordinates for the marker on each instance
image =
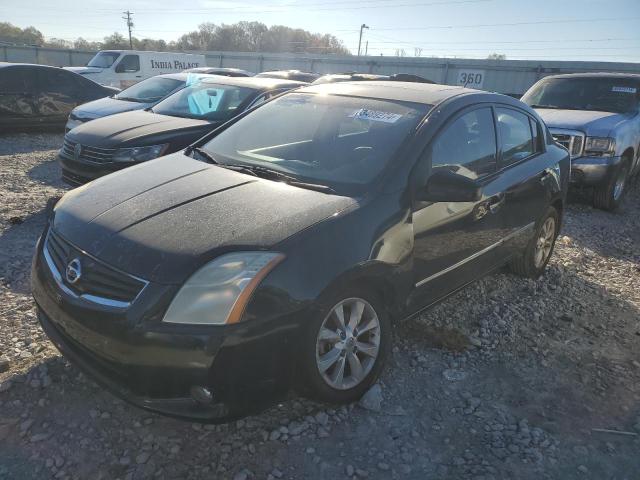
(375, 278)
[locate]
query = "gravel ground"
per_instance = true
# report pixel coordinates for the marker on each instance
(508, 379)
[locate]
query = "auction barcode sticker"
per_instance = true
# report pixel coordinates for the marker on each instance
(624, 89)
(376, 116)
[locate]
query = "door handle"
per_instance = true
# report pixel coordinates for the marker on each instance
(545, 174)
(496, 202)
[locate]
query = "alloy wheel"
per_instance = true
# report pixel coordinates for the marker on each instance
(544, 244)
(348, 343)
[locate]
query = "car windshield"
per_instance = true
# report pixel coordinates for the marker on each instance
(103, 59)
(342, 142)
(619, 95)
(205, 101)
(150, 90)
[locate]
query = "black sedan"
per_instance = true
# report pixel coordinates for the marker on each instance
(277, 251)
(111, 143)
(39, 96)
(142, 95)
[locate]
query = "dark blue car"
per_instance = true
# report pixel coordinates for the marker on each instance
(142, 95)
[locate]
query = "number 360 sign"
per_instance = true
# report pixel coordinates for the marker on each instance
(471, 78)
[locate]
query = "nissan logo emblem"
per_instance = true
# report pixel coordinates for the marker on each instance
(74, 271)
(77, 150)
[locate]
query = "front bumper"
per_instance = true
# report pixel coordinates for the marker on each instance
(154, 365)
(79, 172)
(590, 171)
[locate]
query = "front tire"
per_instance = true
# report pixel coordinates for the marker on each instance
(532, 262)
(345, 347)
(610, 195)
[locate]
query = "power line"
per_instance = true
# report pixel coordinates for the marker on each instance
(514, 24)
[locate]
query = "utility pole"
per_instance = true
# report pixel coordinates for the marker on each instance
(129, 26)
(366, 48)
(362, 27)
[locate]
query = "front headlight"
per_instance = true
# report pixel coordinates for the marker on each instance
(599, 145)
(139, 154)
(218, 293)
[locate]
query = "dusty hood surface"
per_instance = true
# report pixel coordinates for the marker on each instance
(107, 106)
(591, 122)
(163, 219)
(138, 128)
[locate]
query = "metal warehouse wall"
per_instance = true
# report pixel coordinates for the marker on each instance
(504, 76)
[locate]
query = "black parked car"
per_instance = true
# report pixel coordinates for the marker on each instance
(139, 96)
(297, 75)
(368, 77)
(276, 251)
(118, 141)
(42, 96)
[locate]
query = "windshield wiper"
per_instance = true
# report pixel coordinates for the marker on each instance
(311, 186)
(201, 153)
(545, 106)
(283, 177)
(238, 168)
(130, 99)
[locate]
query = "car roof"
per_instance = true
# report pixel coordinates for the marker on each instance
(10, 64)
(633, 76)
(251, 82)
(425, 93)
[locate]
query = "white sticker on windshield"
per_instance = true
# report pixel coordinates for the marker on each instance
(376, 116)
(624, 89)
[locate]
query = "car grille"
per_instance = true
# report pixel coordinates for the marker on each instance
(97, 282)
(87, 153)
(572, 141)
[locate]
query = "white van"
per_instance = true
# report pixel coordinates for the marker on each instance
(123, 68)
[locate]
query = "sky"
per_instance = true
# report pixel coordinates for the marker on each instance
(605, 30)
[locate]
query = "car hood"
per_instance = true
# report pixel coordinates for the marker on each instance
(163, 219)
(138, 128)
(83, 70)
(107, 106)
(592, 123)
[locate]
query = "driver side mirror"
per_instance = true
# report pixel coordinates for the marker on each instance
(447, 186)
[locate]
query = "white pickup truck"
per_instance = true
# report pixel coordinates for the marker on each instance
(123, 68)
(596, 116)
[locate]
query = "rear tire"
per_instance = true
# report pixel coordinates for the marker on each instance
(345, 346)
(532, 262)
(609, 196)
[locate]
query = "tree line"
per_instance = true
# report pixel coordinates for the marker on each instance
(238, 37)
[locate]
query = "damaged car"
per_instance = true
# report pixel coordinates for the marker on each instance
(274, 254)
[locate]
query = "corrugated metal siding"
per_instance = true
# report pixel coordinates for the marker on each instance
(504, 76)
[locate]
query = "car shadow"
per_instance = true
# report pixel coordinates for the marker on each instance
(48, 173)
(17, 245)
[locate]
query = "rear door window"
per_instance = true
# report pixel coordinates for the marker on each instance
(515, 135)
(15, 80)
(468, 145)
(60, 82)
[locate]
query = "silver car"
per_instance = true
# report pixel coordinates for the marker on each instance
(596, 116)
